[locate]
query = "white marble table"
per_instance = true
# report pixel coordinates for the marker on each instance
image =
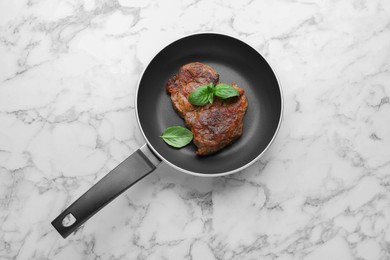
(68, 73)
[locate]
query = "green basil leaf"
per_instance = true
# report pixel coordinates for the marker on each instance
(202, 95)
(211, 87)
(211, 98)
(225, 91)
(177, 136)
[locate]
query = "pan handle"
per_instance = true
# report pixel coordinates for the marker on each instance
(130, 171)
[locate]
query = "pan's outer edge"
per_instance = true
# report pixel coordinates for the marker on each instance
(214, 174)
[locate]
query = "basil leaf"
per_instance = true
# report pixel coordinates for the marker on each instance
(211, 89)
(202, 95)
(225, 91)
(177, 136)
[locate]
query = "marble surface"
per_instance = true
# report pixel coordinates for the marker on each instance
(68, 74)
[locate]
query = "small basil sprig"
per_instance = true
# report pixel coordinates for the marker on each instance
(177, 136)
(225, 91)
(205, 94)
(202, 95)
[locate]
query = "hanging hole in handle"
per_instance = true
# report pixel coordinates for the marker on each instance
(68, 220)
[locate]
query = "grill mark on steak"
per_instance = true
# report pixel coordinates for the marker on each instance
(214, 125)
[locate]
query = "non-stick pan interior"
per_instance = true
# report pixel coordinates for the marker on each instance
(235, 61)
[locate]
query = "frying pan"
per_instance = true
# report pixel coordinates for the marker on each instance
(235, 61)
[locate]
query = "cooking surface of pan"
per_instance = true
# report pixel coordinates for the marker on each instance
(235, 61)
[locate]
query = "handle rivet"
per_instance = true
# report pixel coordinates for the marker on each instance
(68, 220)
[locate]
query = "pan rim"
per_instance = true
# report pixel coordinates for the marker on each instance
(220, 173)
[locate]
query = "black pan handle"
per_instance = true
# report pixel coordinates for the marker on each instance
(130, 171)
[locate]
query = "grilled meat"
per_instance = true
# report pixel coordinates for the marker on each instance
(189, 77)
(214, 125)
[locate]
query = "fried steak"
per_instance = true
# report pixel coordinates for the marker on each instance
(214, 125)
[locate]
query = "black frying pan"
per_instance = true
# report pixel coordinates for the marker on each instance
(235, 61)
